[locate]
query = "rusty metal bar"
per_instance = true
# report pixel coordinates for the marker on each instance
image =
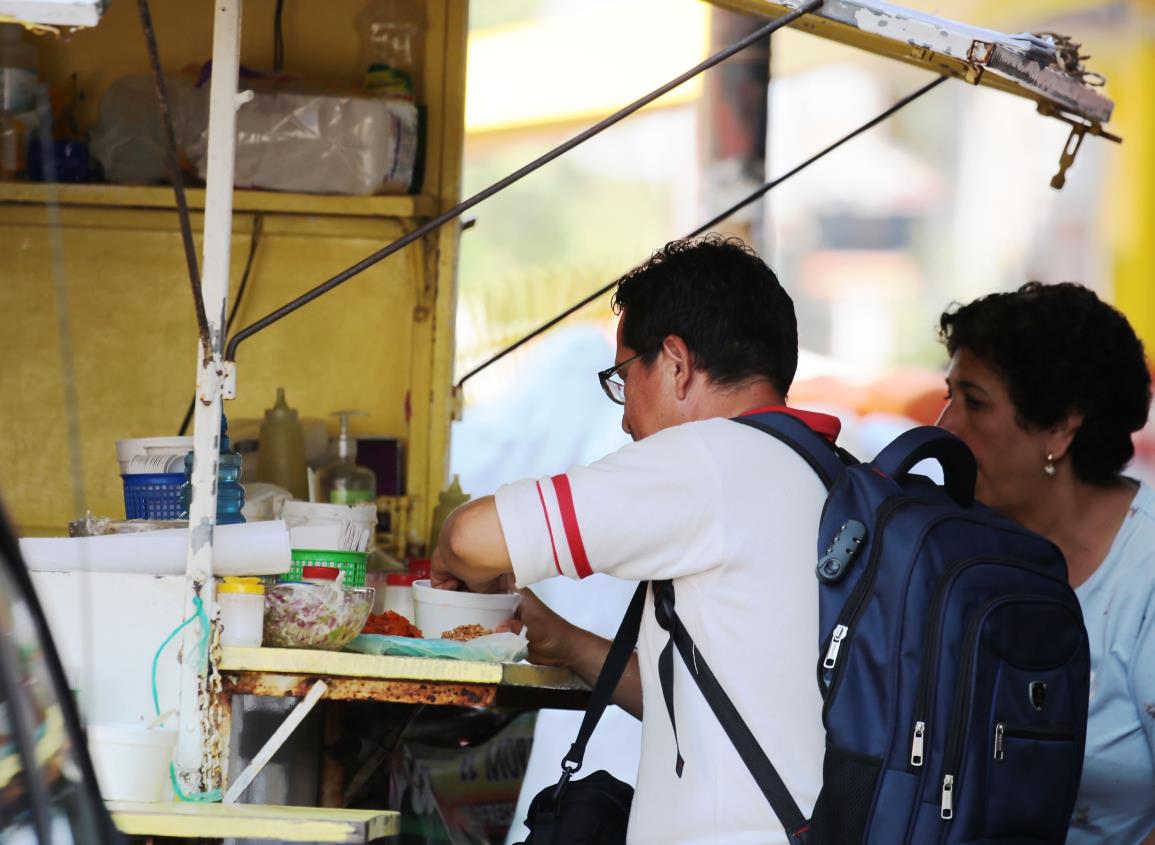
(362, 689)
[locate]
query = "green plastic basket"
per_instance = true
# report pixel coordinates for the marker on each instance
(352, 564)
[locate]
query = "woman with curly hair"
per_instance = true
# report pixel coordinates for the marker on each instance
(1047, 385)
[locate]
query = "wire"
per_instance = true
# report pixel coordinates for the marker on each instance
(279, 37)
(254, 241)
(177, 179)
(459, 209)
(749, 198)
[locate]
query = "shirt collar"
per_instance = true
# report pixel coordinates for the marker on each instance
(824, 424)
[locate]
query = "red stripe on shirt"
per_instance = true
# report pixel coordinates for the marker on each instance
(573, 534)
(549, 528)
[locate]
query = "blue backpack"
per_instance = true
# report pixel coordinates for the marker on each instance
(953, 660)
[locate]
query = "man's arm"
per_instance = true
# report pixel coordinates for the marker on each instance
(471, 550)
(555, 642)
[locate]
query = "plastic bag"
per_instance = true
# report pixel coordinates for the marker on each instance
(128, 138)
(320, 143)
(492, 648)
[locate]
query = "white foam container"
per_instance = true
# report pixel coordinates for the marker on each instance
(438, 611)
(131, 762)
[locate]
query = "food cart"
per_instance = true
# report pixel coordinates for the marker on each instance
(118, 308)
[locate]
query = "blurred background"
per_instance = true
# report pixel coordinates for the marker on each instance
(948, 200)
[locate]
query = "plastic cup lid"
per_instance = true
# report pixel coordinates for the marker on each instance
(322, 573)
(235, 584)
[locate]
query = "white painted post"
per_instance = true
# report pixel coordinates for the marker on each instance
(218, 226)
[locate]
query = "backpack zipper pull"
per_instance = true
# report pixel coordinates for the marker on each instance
(947, 797)
(1000, 730)
(916, 744)
(835, 644)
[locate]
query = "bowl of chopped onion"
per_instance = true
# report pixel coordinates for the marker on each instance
(323, 616)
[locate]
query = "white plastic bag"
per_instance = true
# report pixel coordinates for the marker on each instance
(321, 143)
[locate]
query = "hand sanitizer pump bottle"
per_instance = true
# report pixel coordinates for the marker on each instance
(343, 482)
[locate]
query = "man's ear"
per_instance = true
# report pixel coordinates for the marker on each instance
(1060, 437)
(680, 364)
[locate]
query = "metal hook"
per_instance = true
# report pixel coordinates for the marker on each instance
(1070, 150)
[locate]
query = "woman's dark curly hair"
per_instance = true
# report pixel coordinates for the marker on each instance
(1060, 349)
(722, 300)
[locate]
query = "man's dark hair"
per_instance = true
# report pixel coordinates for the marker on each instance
(1060, 349)
(725, 303)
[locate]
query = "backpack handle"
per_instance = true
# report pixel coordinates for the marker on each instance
(928, 441)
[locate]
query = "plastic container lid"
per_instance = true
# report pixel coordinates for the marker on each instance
(321, 573)
(235, 584)
(419, 567)
(400, 579)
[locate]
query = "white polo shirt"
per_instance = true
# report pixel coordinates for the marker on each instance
(731, 515)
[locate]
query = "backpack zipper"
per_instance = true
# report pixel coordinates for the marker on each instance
(930, 646)
(827, 669)
(1041, 732)
(963, 691)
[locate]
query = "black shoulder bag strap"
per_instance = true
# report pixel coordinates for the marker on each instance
(616, 661)
(765, 775)
(618, 658)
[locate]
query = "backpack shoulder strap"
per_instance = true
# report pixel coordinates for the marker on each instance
(745, 743)
(827, 460)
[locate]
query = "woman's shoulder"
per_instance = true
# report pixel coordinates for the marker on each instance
(1132, 557)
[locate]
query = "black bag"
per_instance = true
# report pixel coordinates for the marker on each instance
(594, 810)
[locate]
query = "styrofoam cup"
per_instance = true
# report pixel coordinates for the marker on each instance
(132, 762)
(438, 611)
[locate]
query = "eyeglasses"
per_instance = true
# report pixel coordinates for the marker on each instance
(615, 388)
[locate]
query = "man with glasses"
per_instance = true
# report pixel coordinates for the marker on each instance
(706, 333)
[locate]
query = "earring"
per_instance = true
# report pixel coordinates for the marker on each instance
(1049, 466)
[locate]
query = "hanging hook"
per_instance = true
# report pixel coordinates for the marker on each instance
(1070, 150)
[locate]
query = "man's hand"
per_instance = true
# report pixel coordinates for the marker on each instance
(471, 552)
(439, 576)
(555, 642)
(550, 637)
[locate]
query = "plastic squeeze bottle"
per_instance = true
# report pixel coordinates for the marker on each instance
(343, 482)
(281, 459)
(451, 498)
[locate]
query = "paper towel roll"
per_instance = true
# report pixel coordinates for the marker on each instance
(251, 548)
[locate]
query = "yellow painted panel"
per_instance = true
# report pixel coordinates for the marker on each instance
(345, 664)
(253, 821)
(133, 338)
(382, 343)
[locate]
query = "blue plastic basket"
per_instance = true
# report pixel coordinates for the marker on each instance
(153, 496)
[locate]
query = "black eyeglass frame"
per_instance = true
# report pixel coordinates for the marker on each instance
(605, 375)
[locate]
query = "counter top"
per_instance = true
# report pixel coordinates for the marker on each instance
(253, 821)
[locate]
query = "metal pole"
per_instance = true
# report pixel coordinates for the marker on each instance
(223, 102)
